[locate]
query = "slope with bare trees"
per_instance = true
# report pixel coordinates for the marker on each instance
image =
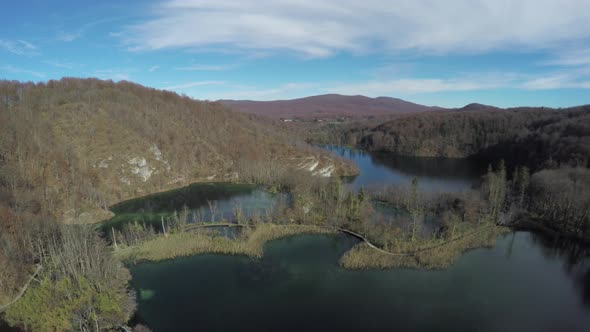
(71, 148)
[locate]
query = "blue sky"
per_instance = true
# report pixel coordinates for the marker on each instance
(447, 53)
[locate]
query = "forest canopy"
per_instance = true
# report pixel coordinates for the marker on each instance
(536, 137)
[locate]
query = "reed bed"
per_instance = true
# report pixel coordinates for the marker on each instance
(250, 242)
(420, 254)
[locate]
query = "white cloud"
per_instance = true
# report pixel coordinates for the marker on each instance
(575, 57)
(153, 68)
(17, 70)
(206, 67)
(192, 85)
(80, 31)
(19, 47)
(27, 45)
(557, 81)
(113, 74)
(320, 28)
(283, 91)
(403, 87)
(229, 90)
(68, 36)
(412, 86)
(374, 88)
(60, 64)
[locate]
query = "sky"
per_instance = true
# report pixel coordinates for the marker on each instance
(447, 53)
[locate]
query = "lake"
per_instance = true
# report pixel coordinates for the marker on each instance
(376, 169)
(200, 200)
(523, 284)
(434, 174)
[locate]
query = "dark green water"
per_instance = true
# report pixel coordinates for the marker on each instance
(523, 284)
(195, 198)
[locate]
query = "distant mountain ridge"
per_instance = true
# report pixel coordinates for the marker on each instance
(327, 106)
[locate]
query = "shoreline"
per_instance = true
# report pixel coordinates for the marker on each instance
(364, 255)
(532, 224)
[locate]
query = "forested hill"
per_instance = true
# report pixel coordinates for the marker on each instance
(74, 146)
(71, 148)
(327, 107)
(527, 136)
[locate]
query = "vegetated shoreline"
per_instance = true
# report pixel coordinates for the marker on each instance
(530, 223)
(399, 251)
(181, 243)
(365, 255)
(429, 253)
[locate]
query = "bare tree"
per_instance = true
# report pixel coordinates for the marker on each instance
(212, 209)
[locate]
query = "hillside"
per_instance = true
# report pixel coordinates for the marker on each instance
(73, 147)
(326, 107)
(531, 136)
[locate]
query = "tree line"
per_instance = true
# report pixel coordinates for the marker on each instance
(534, 137)
(545, 151)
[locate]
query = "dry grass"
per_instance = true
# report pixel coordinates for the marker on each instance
(441, 256)
(250, 242)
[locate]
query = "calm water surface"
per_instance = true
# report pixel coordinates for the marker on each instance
(434, 174)
(523, 284)
(200, 200)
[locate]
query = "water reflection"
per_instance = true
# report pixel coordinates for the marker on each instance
(575, 257)
(201, 202)
(435, 174)
(514, 286)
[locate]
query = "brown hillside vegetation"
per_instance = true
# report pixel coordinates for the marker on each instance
(71, 148)
(85, 144)
(531, 136)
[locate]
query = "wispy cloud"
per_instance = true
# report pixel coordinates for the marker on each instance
(321, 28)
(69, 36)
(575, 57)
(286, 90)
(153, 68)
(192, 85)
(60, 64)
(557, 81)
(114, 74)
(405, 87)
(19, 47)
(206, 67)
(27, 45)
(17, 70)
(79, 31)
(411, 86)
